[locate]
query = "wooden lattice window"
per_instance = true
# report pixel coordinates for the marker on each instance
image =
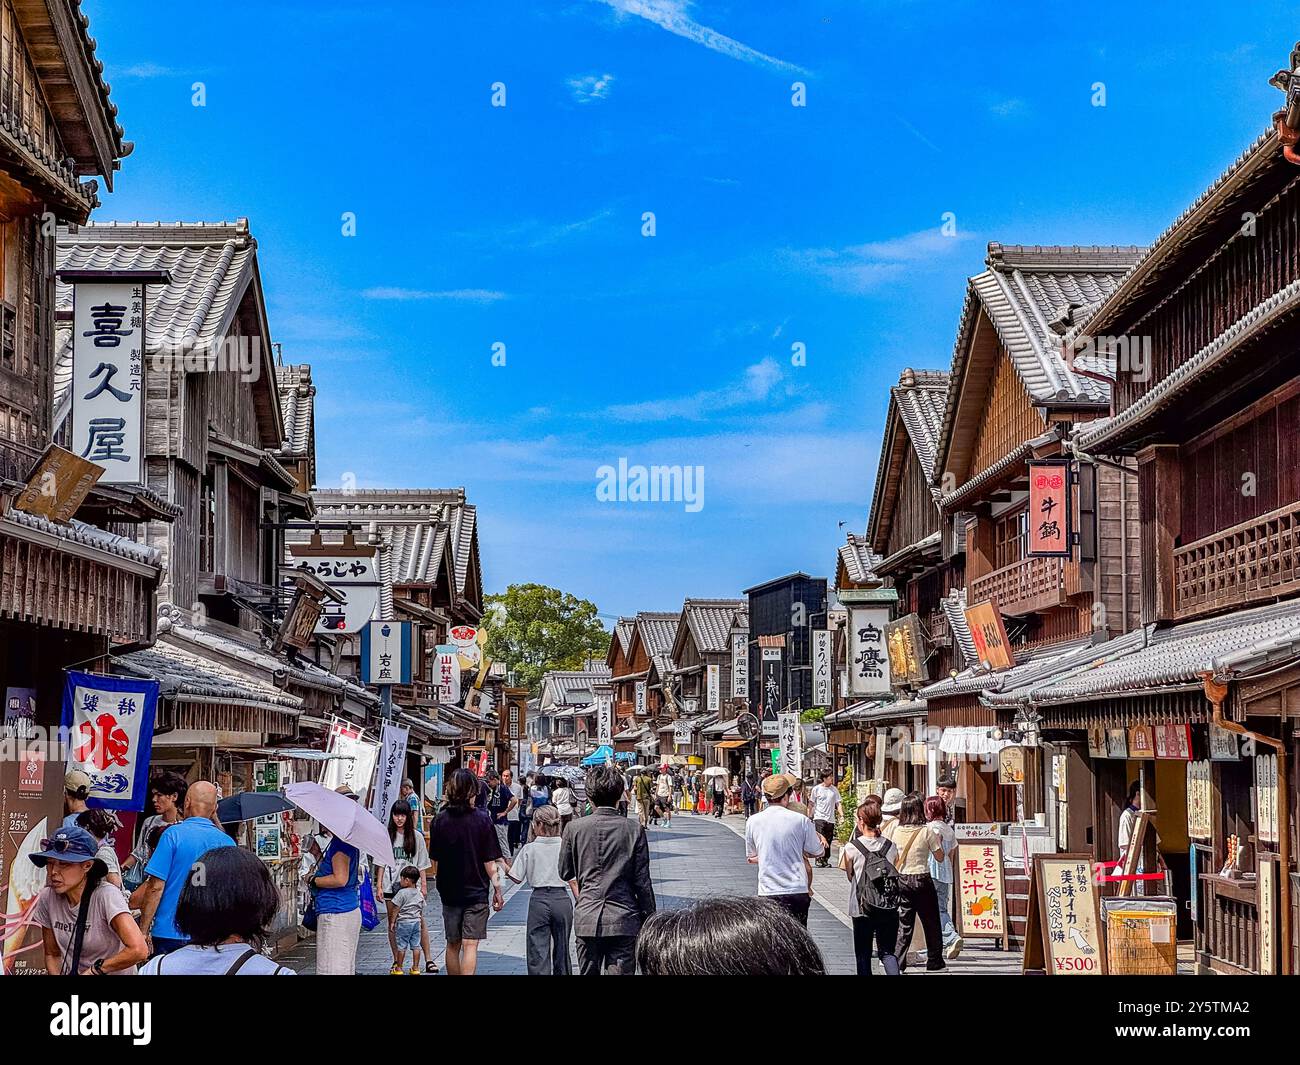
(1010, 538)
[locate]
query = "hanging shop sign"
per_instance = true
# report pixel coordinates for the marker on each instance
(1224, 746)
(301, 619)
(1096, 741)
(605, 719)
(1266, 797)
(446, 674)
(773, 699)
(713, 688)
(790, 744)
(821, 667)
(353, 761)
(1063, 927)
(981, 889)
(1268, 914)
(1116, 743)
(392, 769)
(682, 734)
(386, 655)
(639, 707)
(350, 569)
(108, 369)
(58, 485)
(1173, 741)
(109, 723)
(907, 651)
(1200, 796)
(868, 659)
(739, 665)
(469, 645)
(1050, 523)
(1141, 743)
(20, 712)
(992, 647)
(1011, 765)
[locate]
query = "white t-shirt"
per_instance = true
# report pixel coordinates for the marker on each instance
(563, 799)
(664, 786)
(781, 839)
(538, 863)
(517, 790)
(212, 961)
(825, 799)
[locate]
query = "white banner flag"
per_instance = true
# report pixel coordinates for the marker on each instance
(392, 768)
(789, 740)
(354, 761)
(604, 719)
(821, 663)
(739, 665)
(713, 689)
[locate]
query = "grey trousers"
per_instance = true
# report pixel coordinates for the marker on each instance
(607, 955)
(550, 920)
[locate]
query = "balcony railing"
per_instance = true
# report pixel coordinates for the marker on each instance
(1028, 586)
(1258, 559)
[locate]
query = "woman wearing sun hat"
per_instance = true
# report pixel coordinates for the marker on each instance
(87, 927)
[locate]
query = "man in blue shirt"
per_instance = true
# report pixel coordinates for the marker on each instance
(179, 849)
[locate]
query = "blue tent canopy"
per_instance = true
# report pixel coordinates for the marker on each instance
(602, 754)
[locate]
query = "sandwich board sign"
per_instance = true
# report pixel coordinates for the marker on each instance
(1063, 927)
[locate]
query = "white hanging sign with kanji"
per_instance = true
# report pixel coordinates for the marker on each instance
(108, 378)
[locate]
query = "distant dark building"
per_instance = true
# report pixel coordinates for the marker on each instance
(783, 613)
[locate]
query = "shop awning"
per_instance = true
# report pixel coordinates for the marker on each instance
(970, 739)
(730, 744)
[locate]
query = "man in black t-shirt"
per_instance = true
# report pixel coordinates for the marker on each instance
(464, 852)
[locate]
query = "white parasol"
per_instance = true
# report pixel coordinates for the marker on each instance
(717, 771)
(345, 817)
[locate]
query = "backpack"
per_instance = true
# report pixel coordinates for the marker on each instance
(877, 887)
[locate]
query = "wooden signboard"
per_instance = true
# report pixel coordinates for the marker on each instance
(981, 891)
(1268, 914)
(1011, 765)
(1063, 929)
(1174, 741)
(992, 646)
(1141, 743)
(58, 485)
(1050, 518)
(1134, 853)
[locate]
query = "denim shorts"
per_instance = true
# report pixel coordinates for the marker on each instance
(408, 935)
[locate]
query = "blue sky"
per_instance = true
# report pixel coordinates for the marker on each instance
(775, 225)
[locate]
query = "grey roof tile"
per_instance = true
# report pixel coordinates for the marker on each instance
(859, 561)
(297, 408)
(711, 620)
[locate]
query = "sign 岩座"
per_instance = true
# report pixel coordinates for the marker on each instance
(1049, 518)
(992, 647)
(386, 652)
(109, 723)
(108, 377)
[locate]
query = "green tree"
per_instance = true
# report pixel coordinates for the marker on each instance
(534, 629)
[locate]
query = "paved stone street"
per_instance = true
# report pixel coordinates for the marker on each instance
(694, 858)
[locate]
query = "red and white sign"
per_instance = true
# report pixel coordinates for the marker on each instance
(1049, 522)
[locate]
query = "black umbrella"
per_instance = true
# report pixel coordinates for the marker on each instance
(250, 804)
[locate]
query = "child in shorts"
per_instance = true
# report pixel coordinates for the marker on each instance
(410, 919)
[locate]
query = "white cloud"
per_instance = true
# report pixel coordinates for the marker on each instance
(1012, 108)
(672, 16)
(144, 71)
(591, 87)
(862, 267)
(759, 382)
(457, 295)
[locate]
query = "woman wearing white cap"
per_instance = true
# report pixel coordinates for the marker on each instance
(889, 807)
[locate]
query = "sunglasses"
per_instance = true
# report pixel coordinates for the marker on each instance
(59, 846)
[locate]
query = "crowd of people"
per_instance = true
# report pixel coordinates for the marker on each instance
(187, 900)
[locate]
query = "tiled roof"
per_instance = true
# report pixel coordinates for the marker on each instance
(416, 523)
(921, 396)
(1167, 659)
(185, 672)
(1024, 289)
(859, 560)
(876, 710)
(297, 408)
(561, 683)
(657, 631)
(1030, 666)
(623, 631)
(953, 606)
(211, 264)
(78, 532)
(711, 621)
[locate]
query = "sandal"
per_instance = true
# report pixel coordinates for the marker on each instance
(396, 970)
(431, 967)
